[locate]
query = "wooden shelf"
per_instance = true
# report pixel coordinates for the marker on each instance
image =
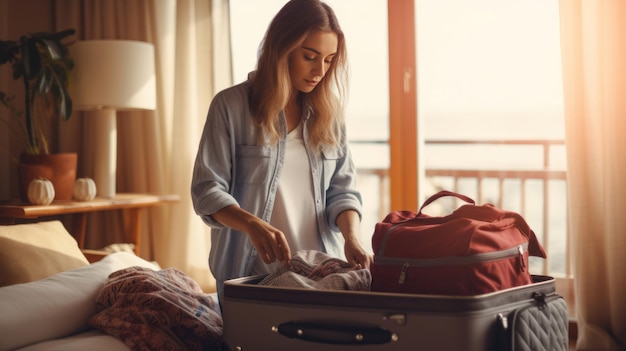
(130, 203)
(15, 209)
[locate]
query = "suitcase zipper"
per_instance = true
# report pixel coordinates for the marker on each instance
(517, 251)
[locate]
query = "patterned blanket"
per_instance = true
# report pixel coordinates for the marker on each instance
(158, 310)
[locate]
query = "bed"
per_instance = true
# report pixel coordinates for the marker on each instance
(53, 298)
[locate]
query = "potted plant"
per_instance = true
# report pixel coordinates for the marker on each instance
(42, 62)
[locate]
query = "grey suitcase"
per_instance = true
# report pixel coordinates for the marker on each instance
(531, 317)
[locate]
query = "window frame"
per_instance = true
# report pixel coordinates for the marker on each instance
(404, 143)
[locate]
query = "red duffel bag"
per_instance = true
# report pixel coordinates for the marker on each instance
(474, 250)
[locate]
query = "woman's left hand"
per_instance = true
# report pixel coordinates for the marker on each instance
(349, 223)
(357, 256)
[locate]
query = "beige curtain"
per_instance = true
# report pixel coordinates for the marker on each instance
(594, 74)
(156, 149)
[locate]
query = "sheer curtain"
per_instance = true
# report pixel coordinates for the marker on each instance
(156, 149)
(594, 70)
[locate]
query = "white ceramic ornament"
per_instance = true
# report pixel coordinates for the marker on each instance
(40, 191)
(84, 189)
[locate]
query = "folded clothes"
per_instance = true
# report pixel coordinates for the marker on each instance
(317, 270)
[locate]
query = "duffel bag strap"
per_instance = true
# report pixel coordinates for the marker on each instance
(444, 193)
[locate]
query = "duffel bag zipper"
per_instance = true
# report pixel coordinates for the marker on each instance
(517, 251)
(405, 267)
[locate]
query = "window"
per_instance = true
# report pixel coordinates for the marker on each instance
(490, 105)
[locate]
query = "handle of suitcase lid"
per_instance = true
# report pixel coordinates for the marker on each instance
(444, 193)
(335, 334)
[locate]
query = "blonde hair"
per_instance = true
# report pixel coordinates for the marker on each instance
(271, 84)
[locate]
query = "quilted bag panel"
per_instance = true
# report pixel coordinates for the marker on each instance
(543, 326)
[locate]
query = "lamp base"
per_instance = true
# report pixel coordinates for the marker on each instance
(105, 154)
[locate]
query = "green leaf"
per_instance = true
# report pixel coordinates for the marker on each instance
(65, 103)
(30, 58)
(8, 51)
(45, 82)
(54, 48)
(18, 70)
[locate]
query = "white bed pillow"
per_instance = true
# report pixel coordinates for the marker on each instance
(56, 306)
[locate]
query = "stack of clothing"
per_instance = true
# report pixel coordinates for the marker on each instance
(317, 270)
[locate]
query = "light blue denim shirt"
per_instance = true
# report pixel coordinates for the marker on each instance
(231, 168)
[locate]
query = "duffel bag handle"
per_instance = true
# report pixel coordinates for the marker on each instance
(444, 193)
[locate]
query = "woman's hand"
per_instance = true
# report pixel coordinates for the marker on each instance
(349, 223)
(356, 255)
(269, 242)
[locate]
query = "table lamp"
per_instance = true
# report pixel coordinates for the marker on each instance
(109, 76)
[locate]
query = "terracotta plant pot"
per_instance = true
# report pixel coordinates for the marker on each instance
(60, 169)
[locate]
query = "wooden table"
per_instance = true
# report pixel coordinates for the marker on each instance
(130, 204)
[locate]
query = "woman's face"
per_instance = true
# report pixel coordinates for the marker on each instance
(310, 62)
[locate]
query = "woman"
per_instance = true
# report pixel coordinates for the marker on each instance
(273, 173)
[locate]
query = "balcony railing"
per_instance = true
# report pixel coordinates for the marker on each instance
(537, 191)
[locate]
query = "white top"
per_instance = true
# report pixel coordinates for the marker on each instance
(294, 206)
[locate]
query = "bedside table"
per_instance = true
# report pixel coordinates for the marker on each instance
(130, 203)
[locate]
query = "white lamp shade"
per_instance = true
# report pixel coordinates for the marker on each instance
(116, 74)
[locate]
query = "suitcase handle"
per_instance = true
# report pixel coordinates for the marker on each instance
(335, 334)
(441, 194)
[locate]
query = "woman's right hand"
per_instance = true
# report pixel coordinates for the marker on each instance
(269, 242)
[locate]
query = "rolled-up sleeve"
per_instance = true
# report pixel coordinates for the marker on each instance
(342, 193)
(213, 167)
